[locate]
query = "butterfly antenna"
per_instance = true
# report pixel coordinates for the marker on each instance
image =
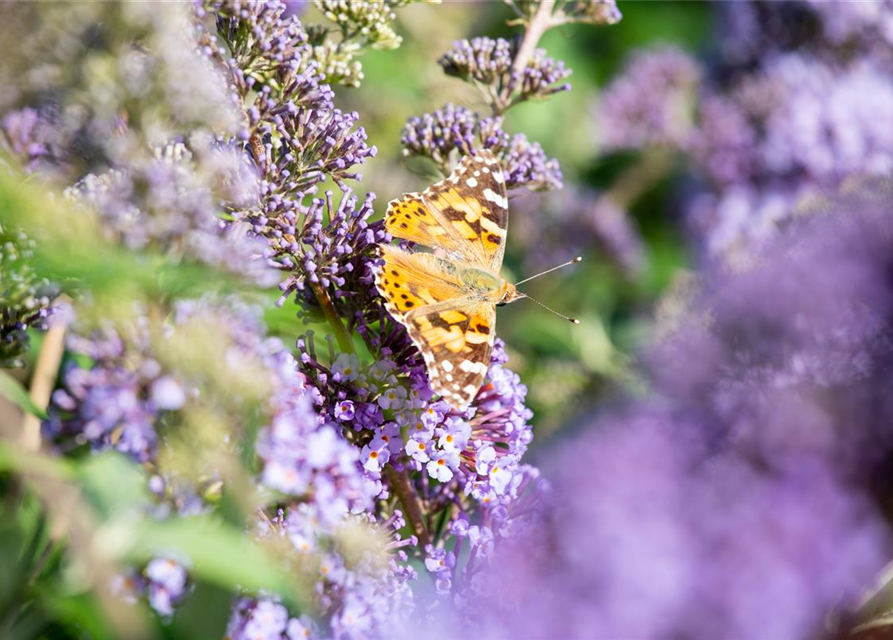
(542, 273)
(560, 315)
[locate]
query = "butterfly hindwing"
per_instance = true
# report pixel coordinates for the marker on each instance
(455, 343)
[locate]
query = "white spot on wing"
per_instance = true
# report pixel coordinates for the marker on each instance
(495, 198)
(471, 182)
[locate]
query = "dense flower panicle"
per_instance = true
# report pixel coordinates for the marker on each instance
(435, 135)
(725, 145)
(359, 574)
(32, 137)
(651, 102)
(313, 144)
(583, 11)
(739, 218)
(701, 545)
(170, 201)
(95, 74)
(843, 22)
(782, 114)
(789, 339)
(265, 45)
(118, 400)
(593, 11)
(815, 120)
(459, 129)
(370, 18)
(774, 134)
(324, 243)
(390, 410)
(527, 166)
(489, 62)
(750, 30)
(25, 298)
(484, 60)
(302, 456)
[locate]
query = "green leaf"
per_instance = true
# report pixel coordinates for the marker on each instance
(217, 553)
(113, 483)
(204, 614)
(33, 464)
(12, 390)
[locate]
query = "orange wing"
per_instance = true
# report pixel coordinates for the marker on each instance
(452, 327)
(466, 214)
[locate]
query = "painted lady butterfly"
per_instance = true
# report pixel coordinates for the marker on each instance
(448, 305)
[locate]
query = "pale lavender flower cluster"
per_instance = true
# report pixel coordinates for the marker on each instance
(750, 29)
(473, 452)
(745, 499)
(652, 101)
(169, 202)
(356, 597)
(297, 139)
(119, 399)
(163, 583)
(489, 63)
(30, 136)
(321, 243)
(458, 129)
(505, 80)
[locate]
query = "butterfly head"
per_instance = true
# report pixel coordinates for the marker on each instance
(508, 293)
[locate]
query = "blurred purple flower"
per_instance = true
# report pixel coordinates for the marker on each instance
(745, 499)
(555, 227)
(651, 102)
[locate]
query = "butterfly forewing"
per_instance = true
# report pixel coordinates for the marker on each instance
(473, 203)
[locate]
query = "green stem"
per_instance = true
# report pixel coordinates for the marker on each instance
(328, 309)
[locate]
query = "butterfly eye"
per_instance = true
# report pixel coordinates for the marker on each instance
(500, 304)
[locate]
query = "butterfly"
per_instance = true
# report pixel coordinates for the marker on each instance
(448, 304)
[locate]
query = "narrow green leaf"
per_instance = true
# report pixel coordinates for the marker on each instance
(12, 390)
(217, 552)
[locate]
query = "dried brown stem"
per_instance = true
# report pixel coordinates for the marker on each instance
(42, 383)
(411, 507)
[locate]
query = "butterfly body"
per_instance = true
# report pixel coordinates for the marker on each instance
(448, 304)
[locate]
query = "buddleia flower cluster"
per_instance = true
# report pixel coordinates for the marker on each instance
(437, 135)
(487, 63)
(782, 117)
(506, 74)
